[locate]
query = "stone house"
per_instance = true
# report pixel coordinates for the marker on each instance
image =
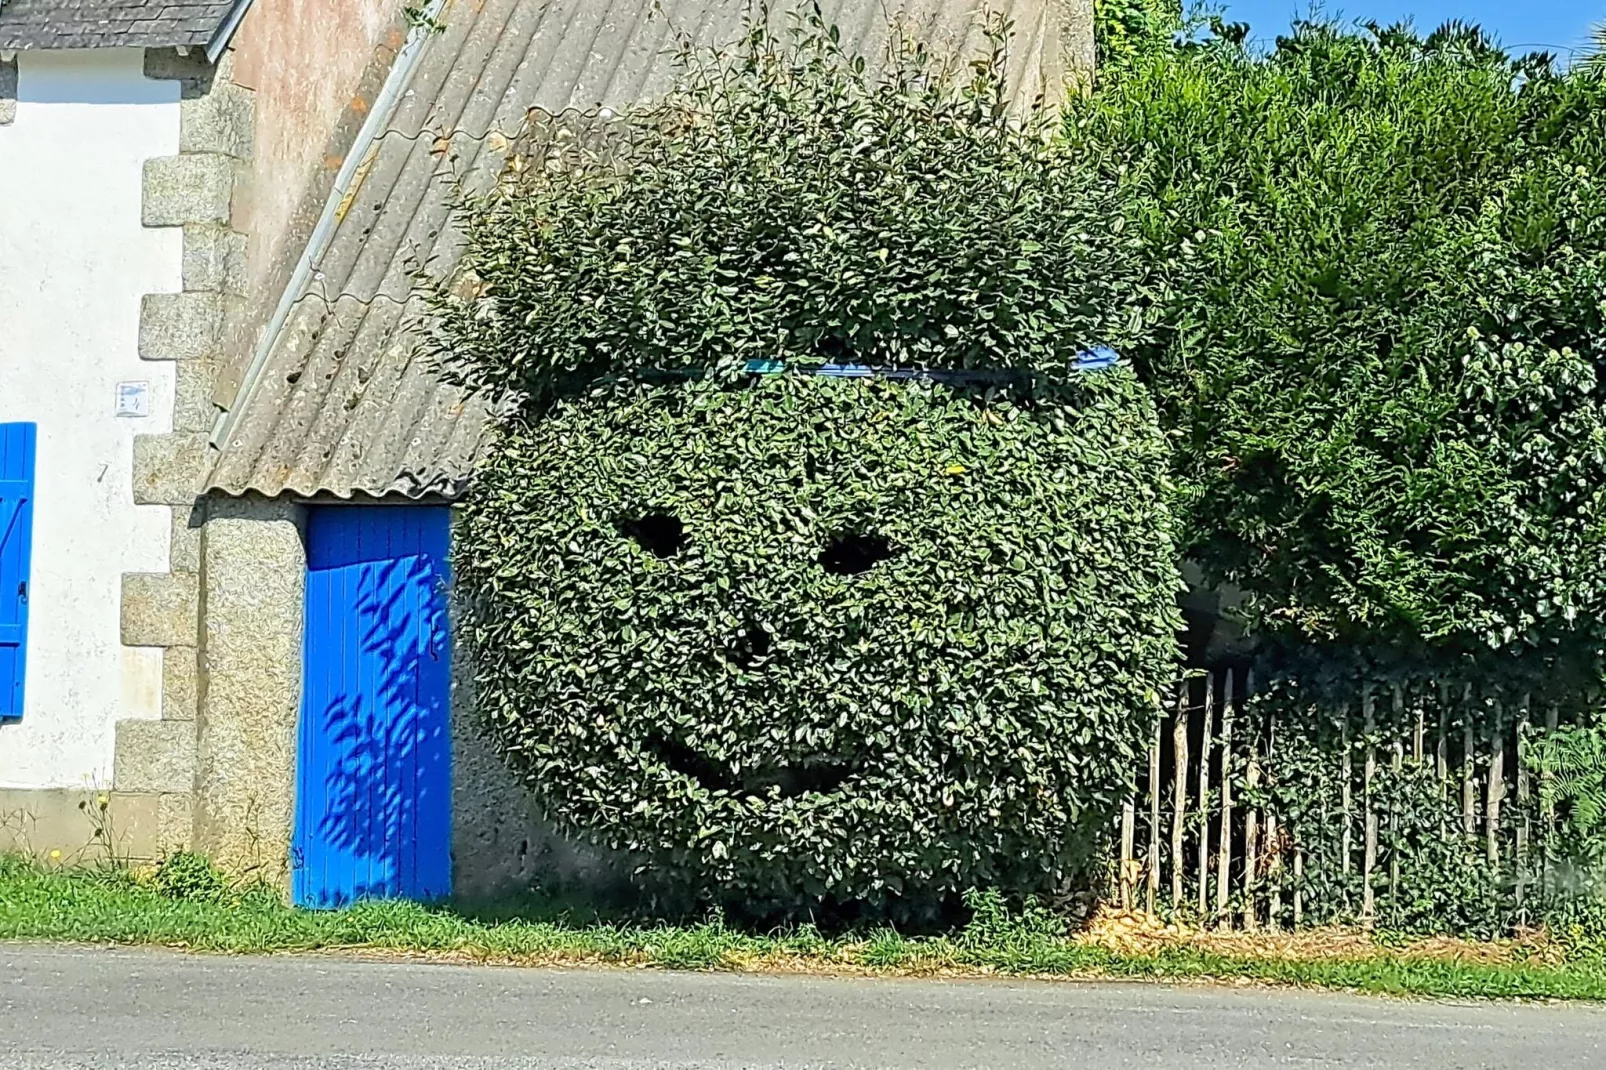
(225, 478)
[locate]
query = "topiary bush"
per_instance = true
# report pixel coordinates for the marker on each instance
(808, 639)
(190, 876)
(791, 639)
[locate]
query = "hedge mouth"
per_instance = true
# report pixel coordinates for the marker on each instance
(812, 776)
(854, 553)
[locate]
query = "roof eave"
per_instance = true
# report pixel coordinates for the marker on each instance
(225, 31)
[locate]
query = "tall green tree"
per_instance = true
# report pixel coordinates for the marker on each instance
(1381, 329)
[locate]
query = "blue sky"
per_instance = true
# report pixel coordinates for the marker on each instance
(1556, 23)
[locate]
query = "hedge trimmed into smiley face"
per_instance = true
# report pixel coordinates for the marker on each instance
(824, 638)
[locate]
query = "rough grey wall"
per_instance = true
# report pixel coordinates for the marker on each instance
(253, 575)
(501, 845)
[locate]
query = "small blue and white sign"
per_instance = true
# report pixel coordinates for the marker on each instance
(133, 400)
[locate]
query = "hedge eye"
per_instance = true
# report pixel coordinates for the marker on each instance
(754, 644)
(660, 534)
(852, 553)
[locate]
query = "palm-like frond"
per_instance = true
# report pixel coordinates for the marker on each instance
(1573, 764)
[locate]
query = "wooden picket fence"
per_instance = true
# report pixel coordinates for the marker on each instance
(1190, 848)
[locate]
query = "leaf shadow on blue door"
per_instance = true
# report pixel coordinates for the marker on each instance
(377, 824)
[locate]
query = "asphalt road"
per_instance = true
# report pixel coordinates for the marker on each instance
(133, 1010)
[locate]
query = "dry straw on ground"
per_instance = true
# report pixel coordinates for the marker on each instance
(1131, 932)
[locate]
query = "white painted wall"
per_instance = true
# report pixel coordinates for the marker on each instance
(74, 261)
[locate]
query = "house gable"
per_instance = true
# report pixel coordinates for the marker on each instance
(127, 152)
(59, 24)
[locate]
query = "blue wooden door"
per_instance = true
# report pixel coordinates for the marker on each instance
(16, 534)
(373, 791)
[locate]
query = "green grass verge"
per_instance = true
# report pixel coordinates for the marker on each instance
(110, 907)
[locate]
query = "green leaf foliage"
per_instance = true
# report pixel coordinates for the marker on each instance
(1571, 767)
(1124, 29)
(790, 202)
(1378, 359)
(794, 640)
(1379, 349)
(809, 640)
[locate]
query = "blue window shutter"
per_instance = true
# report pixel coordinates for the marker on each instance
(16, 538)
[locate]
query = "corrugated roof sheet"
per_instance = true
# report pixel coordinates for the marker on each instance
(26, 24)
(344, 404)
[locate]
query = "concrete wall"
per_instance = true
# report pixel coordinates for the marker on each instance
(75, 262)
(253, 585)
(501, 843)
(305, 60)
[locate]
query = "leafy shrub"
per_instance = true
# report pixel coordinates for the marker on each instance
(805, 640)
(790, 202)
(192, 877)
(1378, 360)
(817, 639)
(1124, 29)
(1571, 767)
(995, 924)
(1380, 343)
(1578, 924)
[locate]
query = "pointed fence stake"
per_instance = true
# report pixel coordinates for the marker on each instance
(1398, 763)
(1346, 792)
(1224, 853)
(1129, 820)
(1274, 896)
(1251, 828)
(1547, 809)
(1299, 886)
(1441, 753)
(1523, 827)
(1204, 797)
(1469, 789)
(1420, 732)
(1153, 876)
(1369, 860)
(1179, 793)
(1494, 793)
